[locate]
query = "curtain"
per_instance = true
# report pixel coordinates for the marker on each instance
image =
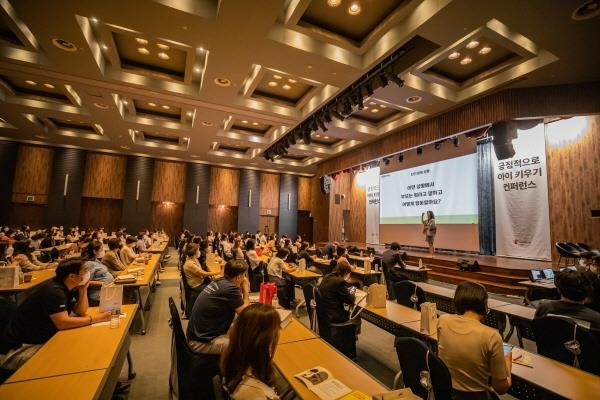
(485, 197)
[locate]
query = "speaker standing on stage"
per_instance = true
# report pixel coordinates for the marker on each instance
(429, 229)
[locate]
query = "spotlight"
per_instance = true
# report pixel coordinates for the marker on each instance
(358, 100)
(456, 142)
(336, 114)
(383, 79)
(389, 74)
(386, 161)
(347, 107)
(292, 138)
(306, 135)
(419, 150)
(327, 115)
(400, 157)
(313, 124)
(368, 86)
(321, 124)
(438, 145)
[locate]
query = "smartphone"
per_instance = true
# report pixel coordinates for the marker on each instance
(507, 348)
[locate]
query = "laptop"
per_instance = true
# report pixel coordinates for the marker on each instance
(535, 275)
(548, 274)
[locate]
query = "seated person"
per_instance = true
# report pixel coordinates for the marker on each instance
(254, 273)
(25, 260)
(236, 250)
(247, 362)
(574, 288)
(335, 295)
(127, 254)
(48, 310)
(329, 250)
(99, 274)
(303, 254)
(142, 244)
(393, 265)
(215, 308)
(285, 285)
(472, 351)
(197, 275)
(111, 258)
(292, 251)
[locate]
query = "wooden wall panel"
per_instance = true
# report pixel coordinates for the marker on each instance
(268, 224)
(224, 188)
(30, 214)
(104, 176)
(574, 188)
(340, 191)
(168, 217)
(304, 193)
(357, 231)
(269, 194)
(32, 174)
(169, 181)
(319, 208)
(222, 219)
(101, 212)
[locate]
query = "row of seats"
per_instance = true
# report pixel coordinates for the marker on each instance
(575, 251)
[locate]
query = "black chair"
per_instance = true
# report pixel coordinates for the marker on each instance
(583, 253)
(564, 251)
(408, 294)
(7, 311)
(309, 299)
(568, 342)
(341, 335)
(422, 371)
(191, 373)
(189, 295)
(586, 247)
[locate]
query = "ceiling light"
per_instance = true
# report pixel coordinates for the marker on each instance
(325, 137)
(354, 9)
(29, 82)
(272, 83)
(472, 44)
(334, 3)
(101, 106)
(277, 77)
(125, 102)
(141, 40)
(186, 138)
(414, 99)
(207, 123)
(162, 46)
(64, 45)
(163, 56)
(466, 60)
(255, 123)
(104, 47)
(454, 55)
(94, 20)
(372, 103)
(166, 107)
(291, 80)
(485, 50)
(317, 135)
(143, 50)
(244, 122)
(223, 82)
(309, 66)
(365, 108)
(197, 69)
(201, 48)
(375, 110)
(382, 106)
(190, 113)
(286, 87)
(152, 104)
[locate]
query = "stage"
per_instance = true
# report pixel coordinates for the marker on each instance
(498, 274)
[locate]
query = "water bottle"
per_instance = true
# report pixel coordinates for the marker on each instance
(420, 264)
(114, 319)
(275, 302)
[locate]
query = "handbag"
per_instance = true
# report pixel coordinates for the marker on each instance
(428, 318)
(268, 290)
(376, 296)
(111, 298)
(10, 277)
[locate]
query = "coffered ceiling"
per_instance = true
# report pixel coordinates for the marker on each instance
(220, 81)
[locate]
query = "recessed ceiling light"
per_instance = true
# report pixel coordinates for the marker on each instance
(94, 20)
(190, 113)
(223, 82)
(365, 107)
(277, 76)
(152, 104)
(291, 80)
(317, 135)
(125, 102)
(466, 60)
(30, 82)
(309, 66)
(334, 3)
(472, 44)
(454, 55)
(104, 47)
(484, 50)
(372, 103)
(197, 69)
(354, 9)
(207, 123)
(414, 99)
(49, 85)
(101, 106)
(166, 107)
(244, 122)
(201, 48)
(143, 50)
(255, 123)
(162, 46)
(382, 106)
(141, 40)
(186, 138)
(64, 45)
(163, 56)
(286, 87)
(272, 83)
(325, 137)
(375, 110)
(125, 147)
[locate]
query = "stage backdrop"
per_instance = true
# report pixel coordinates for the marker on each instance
(369, 179)
(521, 198)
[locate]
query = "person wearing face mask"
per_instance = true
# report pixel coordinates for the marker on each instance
(99, 274)
(429, 229)
(60, 304)
(128, 256)
(336, 293)
(25, 260)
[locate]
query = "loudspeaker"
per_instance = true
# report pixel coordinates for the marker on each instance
(504, 132)
(467, 265)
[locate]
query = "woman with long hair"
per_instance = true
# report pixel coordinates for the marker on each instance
(247, 362)
(429, 229)
(99, 274)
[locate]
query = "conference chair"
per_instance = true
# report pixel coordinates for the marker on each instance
(408, 294)
(564, 251)
(583, 253)
(421, 370)
(311, 306)
(7, 311)
(191, 373)
(563, 339)
(588, 248)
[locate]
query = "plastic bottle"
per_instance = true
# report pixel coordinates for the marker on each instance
(275, 302)
(420, 263)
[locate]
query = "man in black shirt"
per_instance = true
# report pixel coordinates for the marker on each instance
(48, 310)
(393, 265)
(574, 289)
(215, 308)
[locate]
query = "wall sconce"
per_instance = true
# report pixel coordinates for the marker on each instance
(197, 193)
(66, 185)
(222, 206)
(249, 198)
(137, 192)
(289, 201)
(167, 203)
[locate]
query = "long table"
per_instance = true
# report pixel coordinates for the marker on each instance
(38, 277)
(90, 355)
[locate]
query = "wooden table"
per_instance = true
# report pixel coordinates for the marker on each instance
(38, 277)
(295, 331)
(367, 278)
(322, 264)
(542, 284)
(392, 317)
(302, 278)
(160, 247)
(79, 386)
(292, 358)
(417, 274)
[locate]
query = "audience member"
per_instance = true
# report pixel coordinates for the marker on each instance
(99, 274)
(25, 260)
(285, 285)
(112, 259)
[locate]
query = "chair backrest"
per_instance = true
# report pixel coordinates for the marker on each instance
(321, 314)
(193, 371)
(564, 330)
(408, 294)
(563, 249)
(309, 300)
(415, 358)
(7, 311)
(584, 246)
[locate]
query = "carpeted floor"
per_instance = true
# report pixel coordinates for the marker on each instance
(151, 352)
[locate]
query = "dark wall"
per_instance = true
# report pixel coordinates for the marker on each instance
(8, 161)
(248, 216)
(195, 216)
(65, 209)
(137, 213)
(288, 216)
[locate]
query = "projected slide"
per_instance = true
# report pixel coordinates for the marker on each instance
(448, 188)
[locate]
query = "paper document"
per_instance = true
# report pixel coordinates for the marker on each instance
(321, 382)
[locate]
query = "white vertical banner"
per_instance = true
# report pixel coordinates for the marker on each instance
(369, 179)
(521, 198)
